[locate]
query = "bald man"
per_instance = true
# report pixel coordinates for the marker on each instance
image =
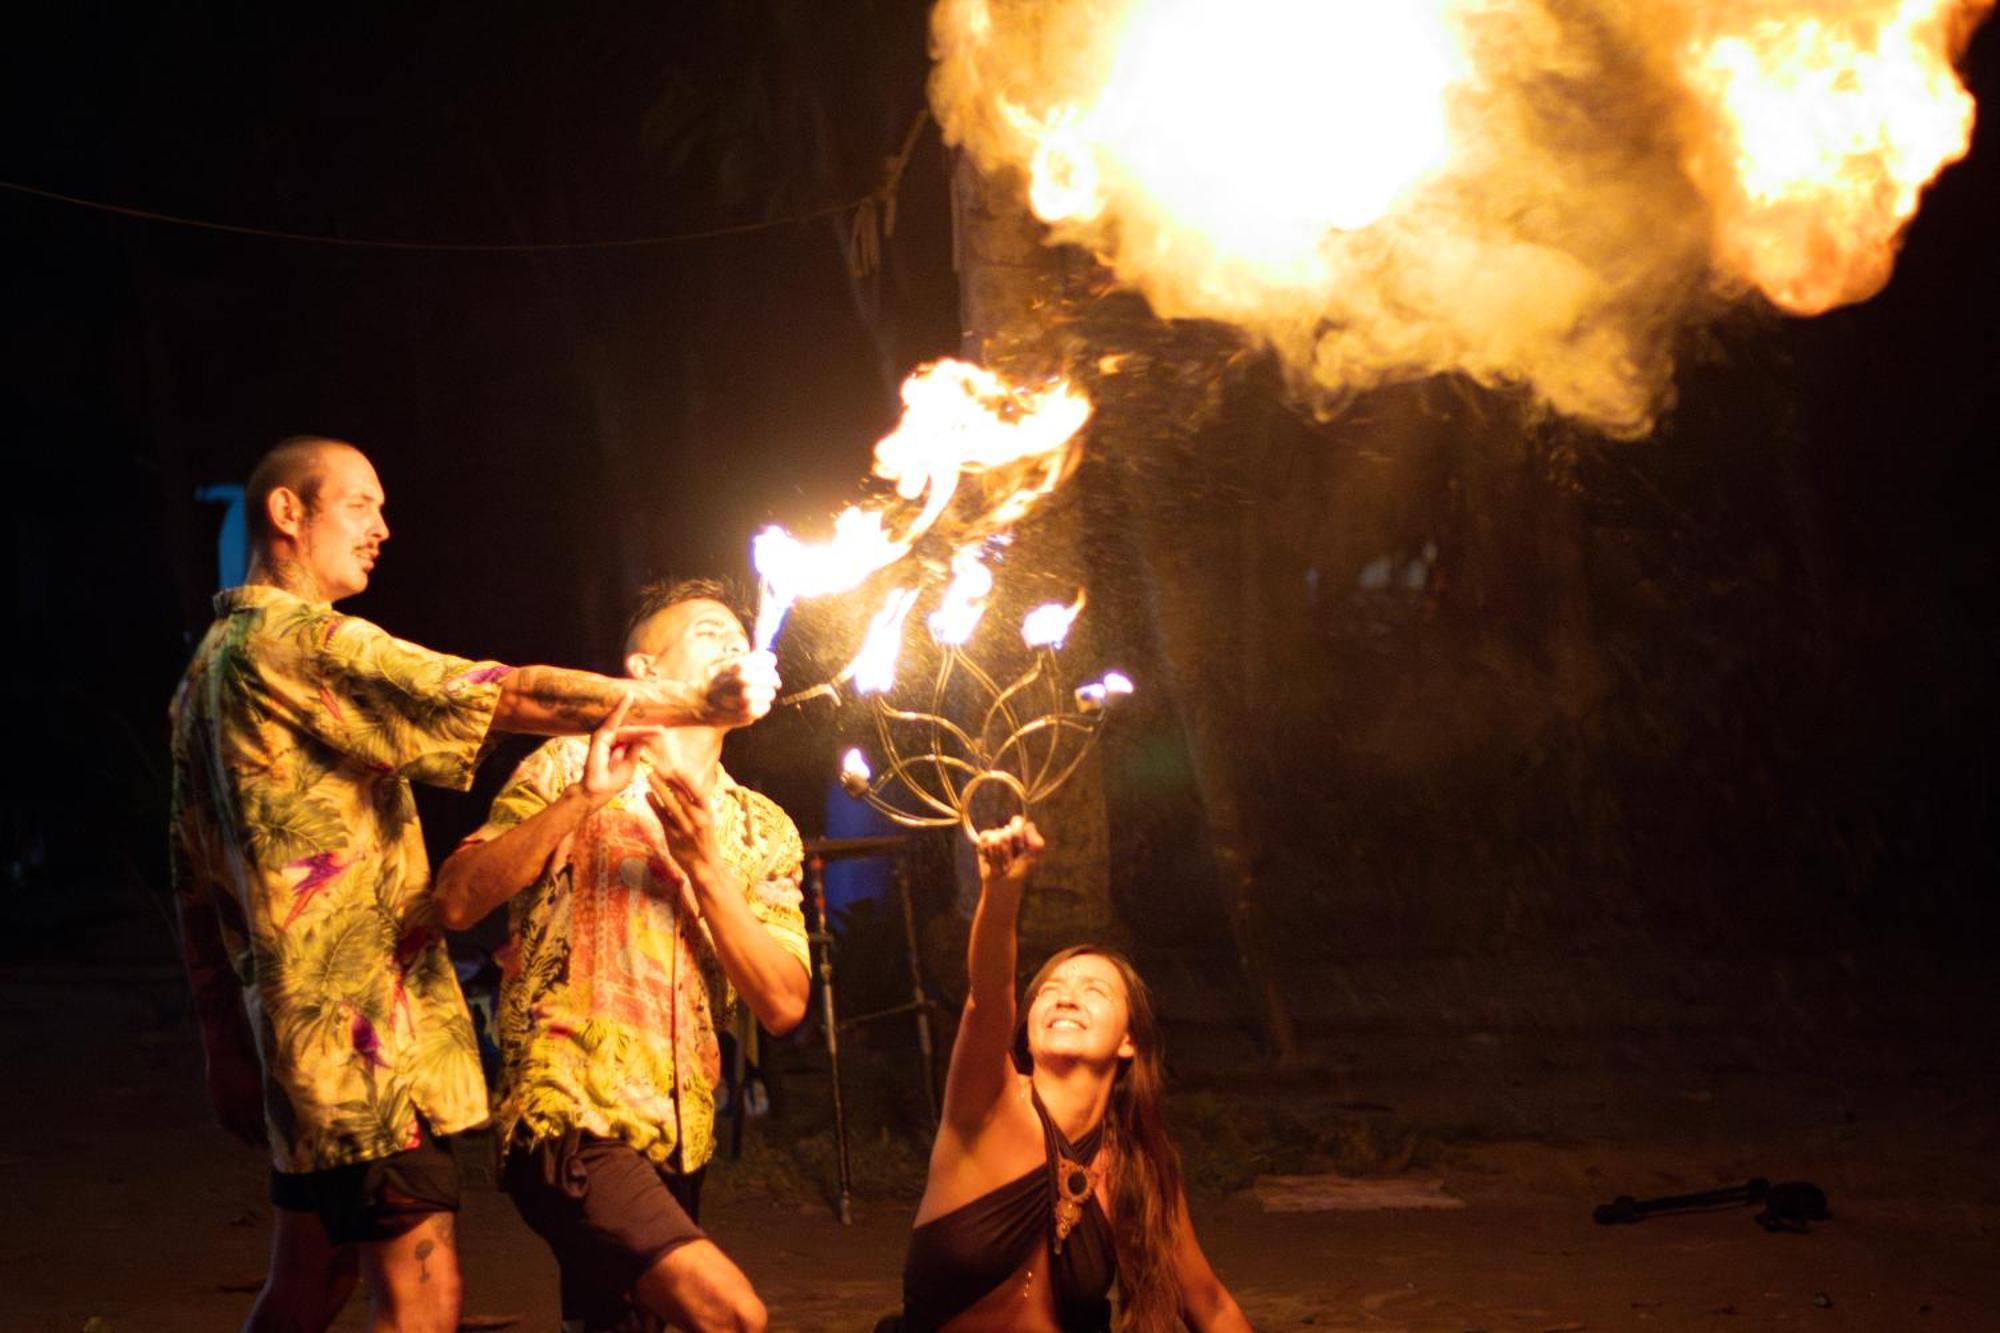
(332, 1022)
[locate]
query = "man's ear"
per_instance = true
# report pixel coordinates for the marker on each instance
(638, 665)
(285, 511)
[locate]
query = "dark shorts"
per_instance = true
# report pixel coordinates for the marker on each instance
(606, 1211)
(378, 1200)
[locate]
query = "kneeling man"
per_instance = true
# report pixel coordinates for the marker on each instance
(647, 891)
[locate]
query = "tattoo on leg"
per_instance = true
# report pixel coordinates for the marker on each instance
(424, 1248)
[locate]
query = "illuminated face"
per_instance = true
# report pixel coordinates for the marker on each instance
(340, 536)
(687, 641)
(1081, 1013)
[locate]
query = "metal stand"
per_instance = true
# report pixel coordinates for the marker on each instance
(818, 852)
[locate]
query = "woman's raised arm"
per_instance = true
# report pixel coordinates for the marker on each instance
(980, 1069)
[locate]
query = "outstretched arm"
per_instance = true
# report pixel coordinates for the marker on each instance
(980, 1069)
(481, 875)
(764, 973)
(556, 701)
(1206, 1304)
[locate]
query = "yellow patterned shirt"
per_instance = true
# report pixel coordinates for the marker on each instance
(296, 732)
(610, 985)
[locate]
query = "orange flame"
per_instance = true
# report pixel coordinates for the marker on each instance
(1832, 125)
(959, 420)
(1524, 192)
(1048, 625)
(1164, 109)
(964, 601)
(790, 569)
(873, 669)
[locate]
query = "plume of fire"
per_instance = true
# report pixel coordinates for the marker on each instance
(1830, 127)
(959, 420)
(1540, 193)
(788, 569)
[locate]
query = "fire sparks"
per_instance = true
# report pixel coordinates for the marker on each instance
(959, 420)
(1525, 192)
(1833, 125)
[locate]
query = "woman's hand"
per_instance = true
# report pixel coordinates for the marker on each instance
(1009, 854)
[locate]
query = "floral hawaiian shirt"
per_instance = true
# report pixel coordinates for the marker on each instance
(610, 986)
(296, 732)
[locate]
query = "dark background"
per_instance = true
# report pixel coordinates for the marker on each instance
(1724, 694)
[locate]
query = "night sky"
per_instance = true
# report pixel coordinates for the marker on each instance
(554, 427)
(551, 428)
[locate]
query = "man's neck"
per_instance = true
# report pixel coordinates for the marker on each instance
(695, 752)
(280, 570)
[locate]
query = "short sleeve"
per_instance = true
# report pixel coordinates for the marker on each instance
(396, 705)
(775, 897)
(536, 783)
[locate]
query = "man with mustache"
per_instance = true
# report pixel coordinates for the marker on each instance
(647, 892)
(332, 1022)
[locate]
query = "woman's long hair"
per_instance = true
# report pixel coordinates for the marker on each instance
(1146, 1170)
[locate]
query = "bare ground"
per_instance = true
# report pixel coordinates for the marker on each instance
(122, 1204)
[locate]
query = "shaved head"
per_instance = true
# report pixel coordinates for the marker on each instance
(296, 464)
(315, 507)
(659, 597)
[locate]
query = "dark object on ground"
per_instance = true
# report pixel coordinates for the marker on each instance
(1625, 1209)
(1792, 1205)
(1787, 1207)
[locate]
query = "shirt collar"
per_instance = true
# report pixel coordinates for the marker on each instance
(256, 596)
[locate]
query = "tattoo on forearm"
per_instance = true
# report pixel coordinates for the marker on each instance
(572, 697)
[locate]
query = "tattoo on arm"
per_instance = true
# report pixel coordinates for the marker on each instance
(576, 698)
(424, 1248)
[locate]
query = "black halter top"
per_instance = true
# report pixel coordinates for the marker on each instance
(957, 1258)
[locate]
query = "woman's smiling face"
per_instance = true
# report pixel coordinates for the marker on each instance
(1080, 1012)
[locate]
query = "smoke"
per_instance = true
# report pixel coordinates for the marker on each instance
(1534, 193)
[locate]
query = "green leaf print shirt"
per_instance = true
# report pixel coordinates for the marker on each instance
(296, 732)
(611, 991)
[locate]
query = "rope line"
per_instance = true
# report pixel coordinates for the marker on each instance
(450, 247)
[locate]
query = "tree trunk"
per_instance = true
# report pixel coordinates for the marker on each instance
(1011, 286)
(1031, 308)
(1191, 526)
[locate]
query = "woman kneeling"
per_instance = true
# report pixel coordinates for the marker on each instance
(1053, 1175)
